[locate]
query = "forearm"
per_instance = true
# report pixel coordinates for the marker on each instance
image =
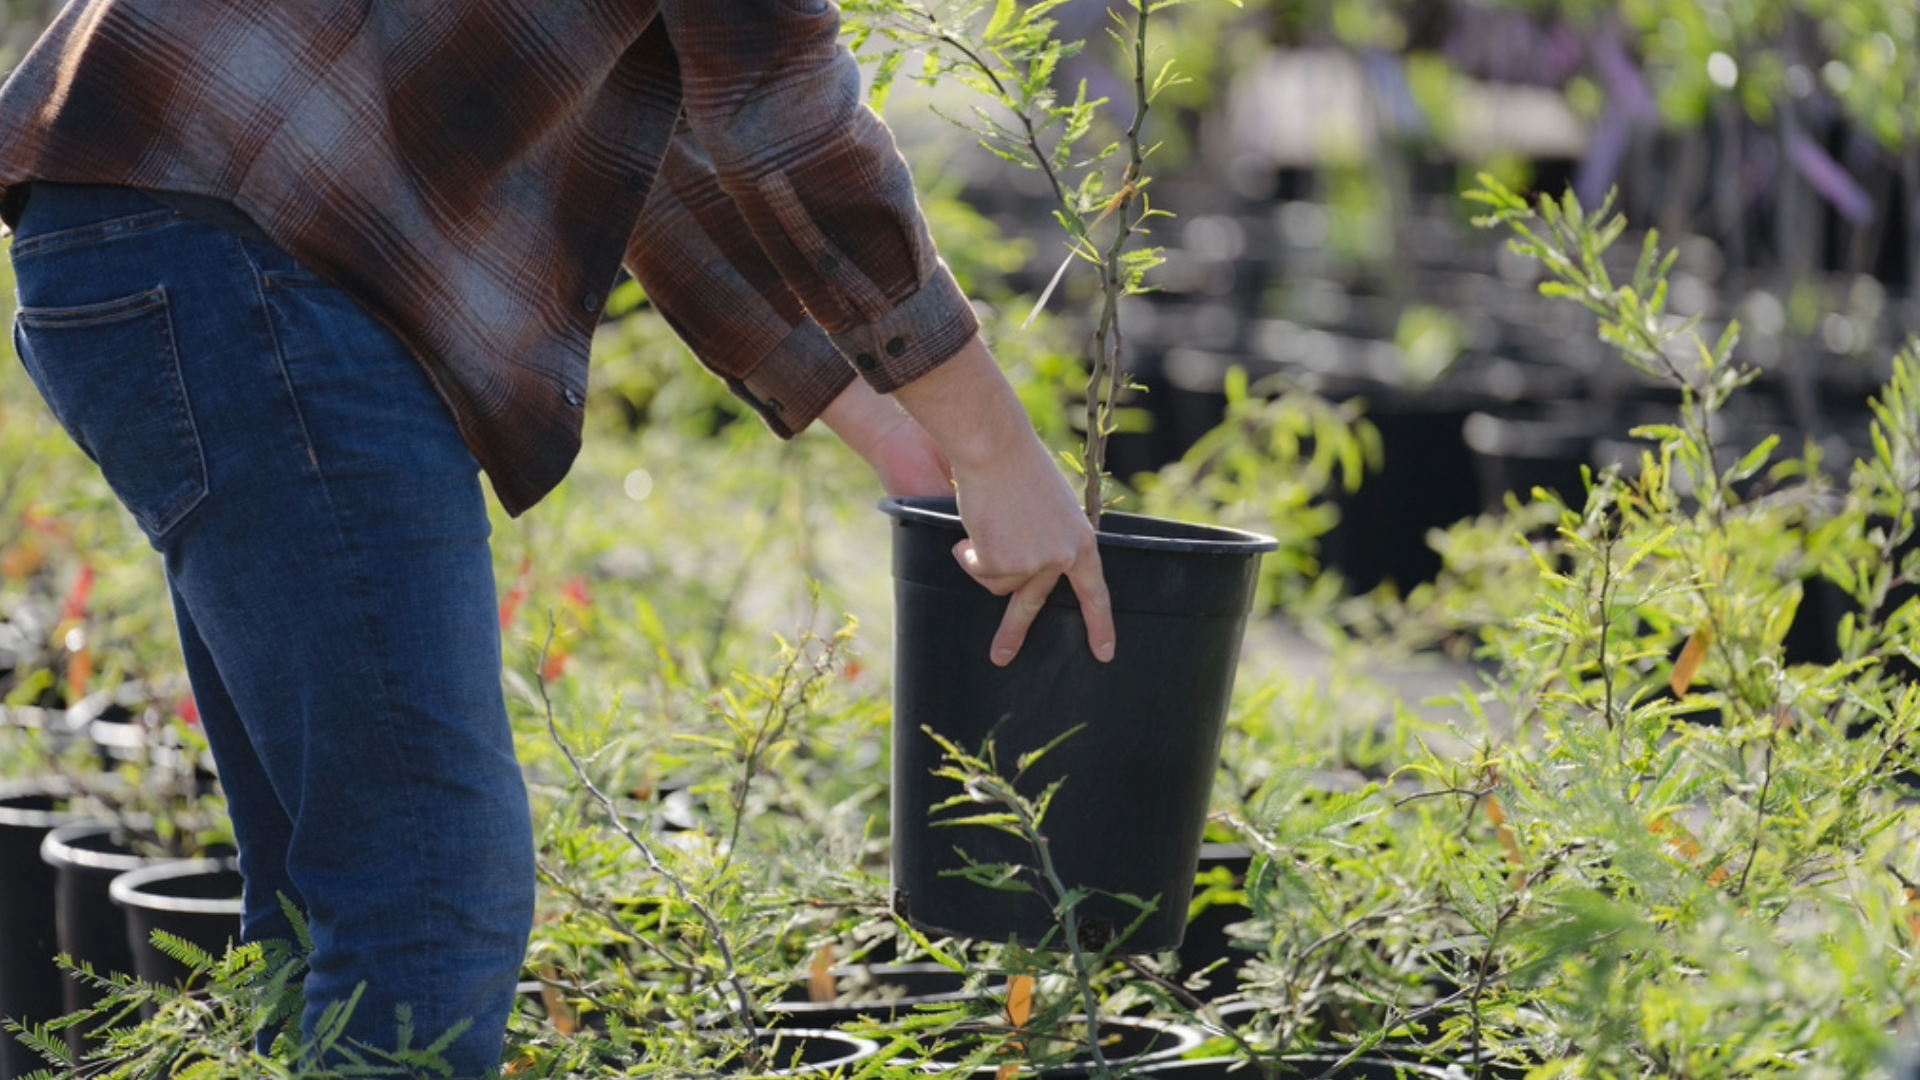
(967, 406)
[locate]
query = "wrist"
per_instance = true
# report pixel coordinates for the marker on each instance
(967, 407)
(863, 418)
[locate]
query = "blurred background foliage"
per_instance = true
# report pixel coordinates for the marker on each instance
(1483, 812)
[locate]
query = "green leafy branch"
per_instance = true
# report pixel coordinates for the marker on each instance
(995, 802)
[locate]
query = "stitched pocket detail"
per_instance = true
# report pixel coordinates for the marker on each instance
(111, 374)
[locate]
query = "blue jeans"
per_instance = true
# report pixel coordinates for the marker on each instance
(325, 540)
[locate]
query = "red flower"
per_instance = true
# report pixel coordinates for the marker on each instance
(516, 595)
(75, 607)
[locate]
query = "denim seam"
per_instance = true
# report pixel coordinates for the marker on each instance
(280, 361)
(356, 576)
(183, 408)
(291, 279)
(95, 314)
(95, 232)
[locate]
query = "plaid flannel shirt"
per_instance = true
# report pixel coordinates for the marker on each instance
(474, 172)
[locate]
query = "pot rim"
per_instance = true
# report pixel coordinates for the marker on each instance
(1185, 1037)
(859, 1049)
(130, 889)
(61, 847)
(878, 973)
(1159, 534)
(50, 789)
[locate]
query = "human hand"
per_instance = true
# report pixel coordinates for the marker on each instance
(1025, 528)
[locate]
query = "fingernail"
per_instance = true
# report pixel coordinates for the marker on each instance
(1105, 652)
(1002, 657)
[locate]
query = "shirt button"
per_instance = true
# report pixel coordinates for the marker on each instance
(635, 181)
(829, 264)
(590, 304)
(773, 405)
(865, 361)
(896, 346)
(572, 398)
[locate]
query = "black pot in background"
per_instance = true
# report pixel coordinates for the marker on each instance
(1129, 1045)
(85, 858)
(1519, 448)
(32, 989)
(808, 1052)
(1425, 482)
(1387, 1061)
(1137, 775)
(197, 900)
(1207, 942)
(877, 992)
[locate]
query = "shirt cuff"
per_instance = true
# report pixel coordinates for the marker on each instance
(796, 382)
(918, 335)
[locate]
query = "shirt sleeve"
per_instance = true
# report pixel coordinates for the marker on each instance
(705, 273)
(775, 100)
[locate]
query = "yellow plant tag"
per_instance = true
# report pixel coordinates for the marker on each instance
(1019, 1009)
(1692, 655)
(559, 1013)
(1019, 999)
(820, 976)
(1504, 831)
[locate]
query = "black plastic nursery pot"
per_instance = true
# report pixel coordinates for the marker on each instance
(1299, 1067)
(807, 1052)
(86, 857)
(1141, 734)
(32, 988)
(1128, 1045)
(869, 992)
(196, 900)
(1390, 1060)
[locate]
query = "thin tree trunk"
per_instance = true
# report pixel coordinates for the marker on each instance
(1730, 198)
(1910, 195)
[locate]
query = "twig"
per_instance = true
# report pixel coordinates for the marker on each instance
(782, 703)
(600, 910)
(1103, 381)
(1032, 134)
(1475, 793)
(744, 1001)
(1759, 812)
(1484, 968)
(1338, 1068)
(1203, 1009)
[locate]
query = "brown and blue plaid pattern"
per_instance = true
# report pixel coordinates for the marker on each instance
(474, 172)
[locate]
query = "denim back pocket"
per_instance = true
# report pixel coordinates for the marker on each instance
(111, 375)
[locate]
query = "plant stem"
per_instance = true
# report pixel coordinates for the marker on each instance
(1031, 132)
(1759, 813)
(743, 1001)
(1070, 926)
(775, 719)
(1606, 669)
(1103, 379)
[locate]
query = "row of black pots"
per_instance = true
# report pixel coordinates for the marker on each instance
(823, 1032)
(1489, 428)
(76, 887)
(812, 1036)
